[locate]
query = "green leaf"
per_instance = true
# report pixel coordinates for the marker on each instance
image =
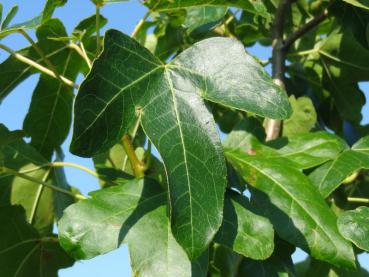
(257, 7)
(134, 213)
(354, 226)
(23, 252)
(36, 199)
(9, 17)
(311, 149)
(362, 145)
(297, 211)
(244, 231)
(364, 4)
(199, 16)
(223, 262)
(1, 12)
(168, 101)
(303, 117)
(50, 113)
(329, 176)
(50, 7)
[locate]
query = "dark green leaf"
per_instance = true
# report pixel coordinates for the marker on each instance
(244, 231)
(354, 226)
(134, 213)
(224, 262)
(50, 114)
(128, 82)
(297, 211)
(23, 252)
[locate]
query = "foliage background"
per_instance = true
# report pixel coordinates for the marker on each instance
(122, 16)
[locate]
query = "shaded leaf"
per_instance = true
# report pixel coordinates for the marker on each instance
(224, 262)
(244, 231)
(354, 226)
(23, 252)
(127, 82)
(134, 213)
(297, 211)
(199, 16)
(359, 3)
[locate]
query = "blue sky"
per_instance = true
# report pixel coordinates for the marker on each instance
(122, 16)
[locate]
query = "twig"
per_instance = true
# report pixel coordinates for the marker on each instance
(358, 200)
(29, 178)
(273, 126)
(98, 43)
(140, 25)
(38, 197)
(304, 29)
(38, 66)
(138, 167)
(81, 52)
(40, 52)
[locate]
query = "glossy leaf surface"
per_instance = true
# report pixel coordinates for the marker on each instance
(134, 213)
(127, 82)
(297, 211)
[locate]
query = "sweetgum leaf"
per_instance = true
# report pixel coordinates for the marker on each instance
(23, 252)
(134, 213)
(244, 231)
(128, 82)
(296, 209)
(354, 226)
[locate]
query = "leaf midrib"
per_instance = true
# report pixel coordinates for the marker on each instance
(292, 197)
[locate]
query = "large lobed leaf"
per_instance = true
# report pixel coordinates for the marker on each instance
(296, 209)
(128, 83)
(134, 213)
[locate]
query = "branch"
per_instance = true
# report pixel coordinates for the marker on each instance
(38, 66)
(304, 29)
(358, 200)
(273, 126)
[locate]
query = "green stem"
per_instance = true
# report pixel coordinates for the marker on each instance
(98, 43)
(36, 181)
(38, 197)
(40, 52)
(138, 167)
(82, 52)
(134, 133)
(358, 200)
(38, 66)
(140, 25)
(64, 164)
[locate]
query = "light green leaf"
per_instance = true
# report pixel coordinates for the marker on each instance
(199, 16)
(36, 199)
(9, 17)
(362, 145)
(364, 4)
(312, 149)
(244, 231)
(303, 117)
(50, 7)
(23, 252)
(134, 213)
(329, 176)
(296, 209)
(127, 82)
(354, 226)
